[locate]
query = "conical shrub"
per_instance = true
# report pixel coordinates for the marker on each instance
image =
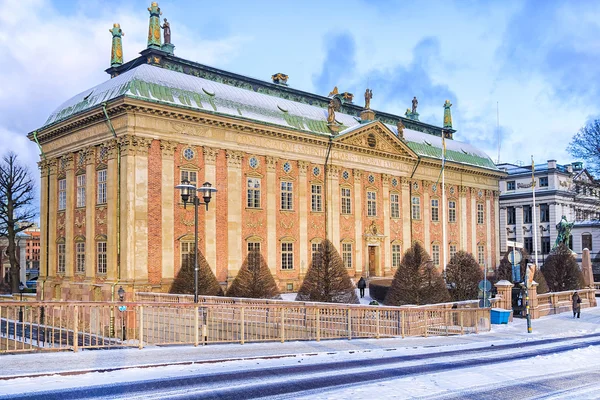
(561, 270)
(464, 274)
(254, 279)
(417, 281)
(207, 282)
(327, 279)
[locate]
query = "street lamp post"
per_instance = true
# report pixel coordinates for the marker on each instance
(189, 195)
(121, 293)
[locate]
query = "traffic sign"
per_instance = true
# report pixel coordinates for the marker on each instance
(511, 243)
(485, 285)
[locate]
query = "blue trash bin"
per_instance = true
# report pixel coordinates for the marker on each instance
(499, 316)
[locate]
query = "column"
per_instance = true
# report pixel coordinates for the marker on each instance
(210, 220)
(90, 213)
(112, 227)
(167, 204)
(234, 213)
(488, 229)
(52, 207)
(406, 209)
(333, 203)
(70, 217)
(303, 215)
(462, 212)
(519, 223)
(358, 220)
(426, 217)
(473, 221)
(272, 191)
(127, 211)
(387, 246)
(142, 145)
(497, 225)
(503, 225)
(44, 185)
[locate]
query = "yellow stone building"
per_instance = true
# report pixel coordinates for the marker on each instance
(291, 168)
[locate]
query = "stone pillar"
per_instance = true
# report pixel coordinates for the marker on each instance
(210, 219)
(70, 217)
(358, 234)
(112, 187)
(333, 203)
(90, 213)
(167, 204)
(387, 246)
(127, 211)
(488, 230)
(234, 213)
(142, 145)
(586, 269)
(406, 217)
(303, 215)
(519, 224)
(504, 295)
(44, 186)
(272, 191)
(426, 217)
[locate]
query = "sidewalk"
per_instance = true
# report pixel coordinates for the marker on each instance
(24, 365)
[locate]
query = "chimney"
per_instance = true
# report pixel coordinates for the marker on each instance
(280, 79)
(551, 164)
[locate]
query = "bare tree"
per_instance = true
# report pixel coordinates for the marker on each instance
(464, 273)
(561, 270)
(585, 145)
(504, 270)
(327, 279)
(16, 208)
(254, 279)
(207, 282)
(417, 280)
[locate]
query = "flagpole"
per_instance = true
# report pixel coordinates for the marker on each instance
(445, 245)
(534, 219)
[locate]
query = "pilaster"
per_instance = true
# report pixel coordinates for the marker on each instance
(142, 145)
(52, 207)
(406, 219)
(128, 206)
(496, 229)
(69, 217)
(303, 215)
(210, 220)
(333, 202)
(488, 229)
(358, 220)
(90, 213)
(167, 204)
(44, 185)
(387, 260)
(234, 212)
(272, 191)
(426, 217)
(519, 223)
(112, 211)
(462, 212)
(473, 217)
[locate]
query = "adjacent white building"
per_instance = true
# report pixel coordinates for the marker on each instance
(560, 190)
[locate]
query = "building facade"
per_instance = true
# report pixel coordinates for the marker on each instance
(291, 169)
(21, 253)
(561, 191)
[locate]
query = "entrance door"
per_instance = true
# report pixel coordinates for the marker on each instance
(372, 265)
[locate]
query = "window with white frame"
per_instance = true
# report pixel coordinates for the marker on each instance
(80, 257)
(394, 205)
(481, 254)
(416, 208)
(187, 252)
(81, 190)
(286, 195)
(346, 201)
(101, 257)
(62, 194)
(435, 210)
(61, 266)
(347, 254)
(316, 253)
(101, 191)
(316, 199)
(452, 211)
(435, 254)
(396, 255)
(452, 250)
(480, 215)
(190, 176)
(253, 246)
(287, 255)
(253, 200)
(371, 204)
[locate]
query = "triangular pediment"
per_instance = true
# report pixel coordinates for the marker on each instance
(375, 136)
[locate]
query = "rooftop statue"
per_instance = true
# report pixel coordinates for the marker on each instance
(331, 112)
(415, 103)
(368, 97)
(167, 31)
(333, 92)
(447, 115)
(564, 231)
(116, 54)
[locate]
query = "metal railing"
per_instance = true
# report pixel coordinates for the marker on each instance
(36, 326)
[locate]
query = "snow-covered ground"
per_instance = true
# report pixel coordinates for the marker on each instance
(235, 357)
(365, 300)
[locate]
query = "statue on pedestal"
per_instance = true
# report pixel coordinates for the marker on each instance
(564, 231)
(167, 32)
(368, 97)
(415, 103)
(116, 54)
(447, 115)
(331, 112)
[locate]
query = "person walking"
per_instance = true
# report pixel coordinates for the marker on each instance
(362, 284)
(576, 305)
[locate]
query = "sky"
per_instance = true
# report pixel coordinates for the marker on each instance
(533, 64)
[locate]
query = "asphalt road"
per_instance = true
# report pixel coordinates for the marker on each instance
(289, 381)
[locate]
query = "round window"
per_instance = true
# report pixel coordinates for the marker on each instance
(371, 179)
(287, 167)
(253, 162)
(316, 171)
(188, 154)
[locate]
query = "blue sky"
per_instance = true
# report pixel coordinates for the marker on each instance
(537, 60)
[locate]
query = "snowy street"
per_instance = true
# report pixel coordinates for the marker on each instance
(560, 359)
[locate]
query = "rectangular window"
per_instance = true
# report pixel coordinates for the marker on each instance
(190, 176)
(187, 253)
(81, 190)
(452, 250)
(347, 254)
(511, 215)
(545, 244)
(451, 211)
(62, 194)
(287, 256)
(544, 181)
(481, 254)
(346, 201)
(371, 204)
(416, 208)
(435, 210)
(286, 196)
(253, 246)
(586, 241)
(316, 200)
(80, 257)
(510, 185)
(253, 193)
(395, 205)
(101, 192)
(435, 254)
(101, 257)
(528, 244)
(60, 268)
(396, 255)
(480, 217)
(544, 213)
(526, 214)
(316, 253)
